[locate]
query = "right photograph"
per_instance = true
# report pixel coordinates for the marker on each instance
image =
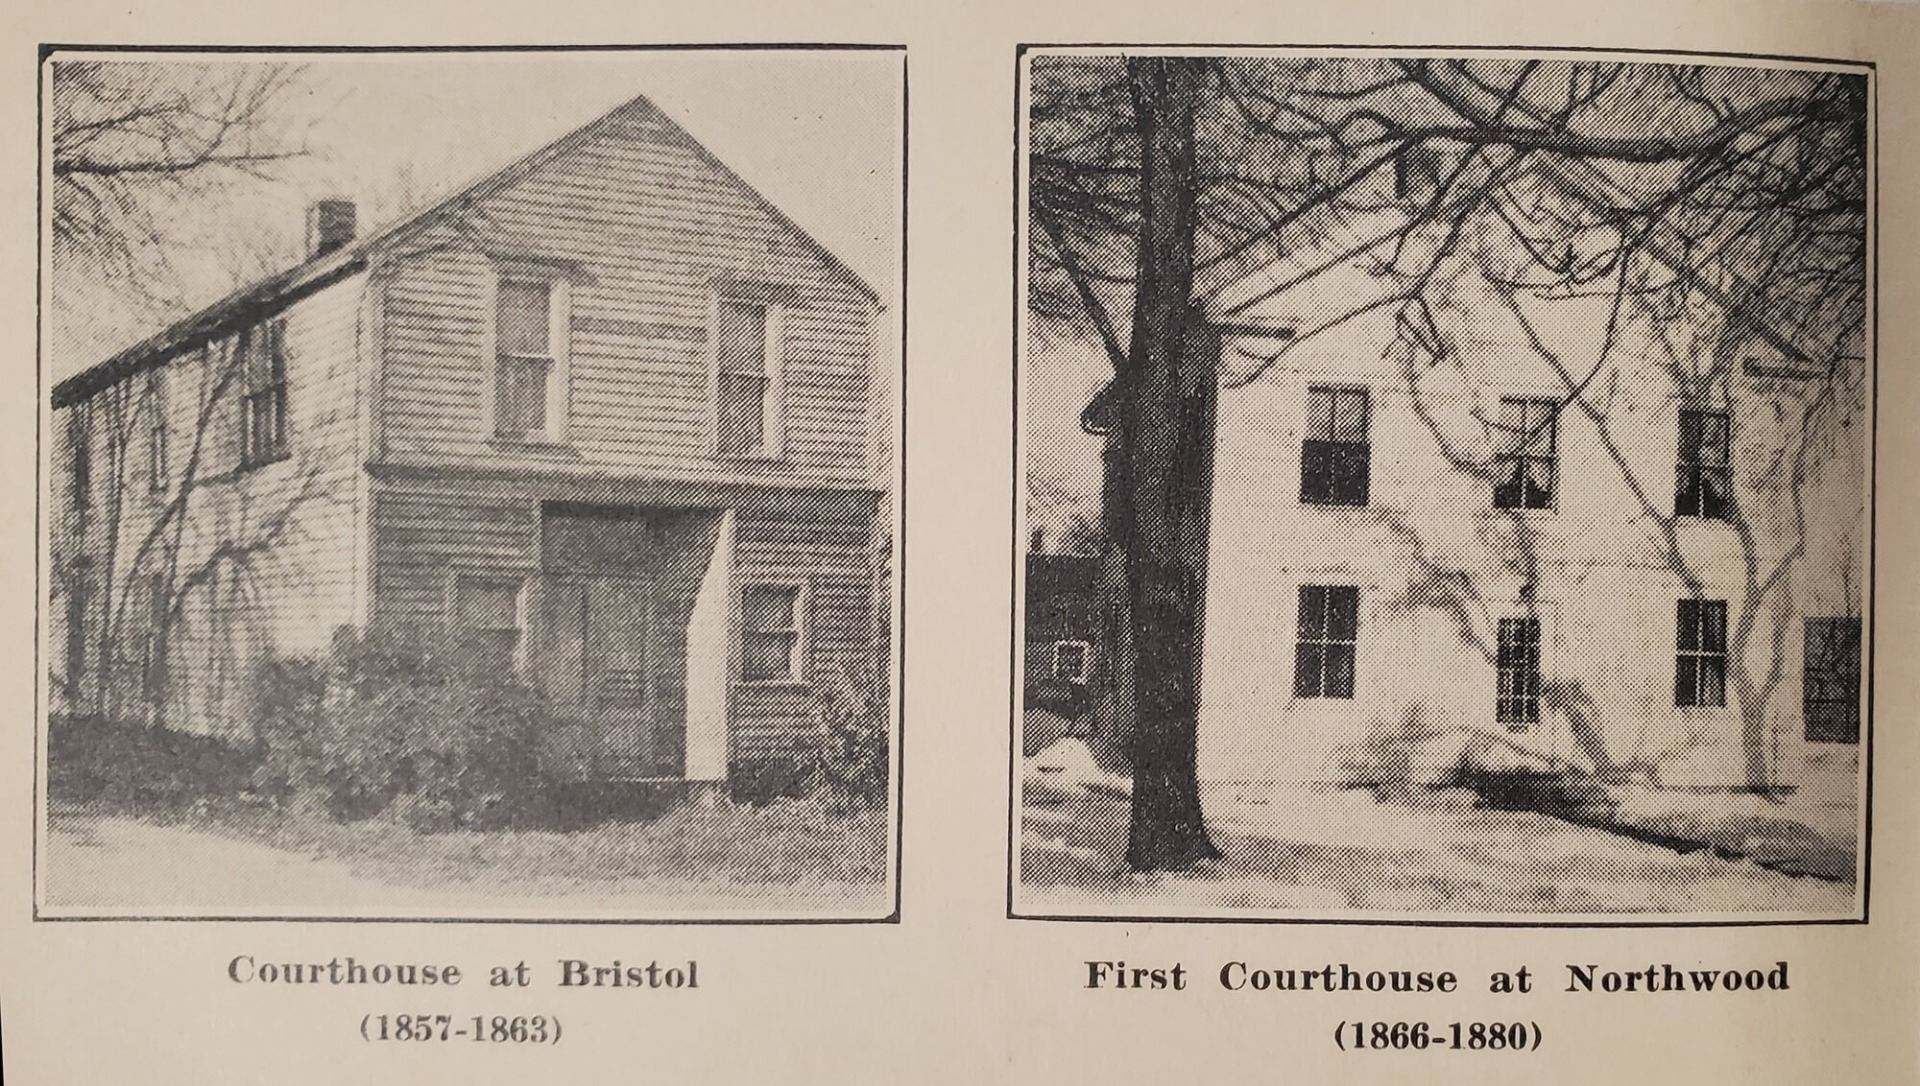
(1445, 486)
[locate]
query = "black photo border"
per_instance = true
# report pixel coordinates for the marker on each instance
(897, 603)
(1016, 616)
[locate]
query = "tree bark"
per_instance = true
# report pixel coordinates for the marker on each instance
(1165, 453)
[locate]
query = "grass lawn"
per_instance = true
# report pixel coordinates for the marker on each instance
(785, 858)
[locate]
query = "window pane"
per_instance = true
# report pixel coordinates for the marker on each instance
(1539, 488)
(1070, 661)
(1713, 680)
(1343, 613)
(1313, 613)
(769, 608)
(1713, 439)
(1320, 414)
(1687, 625)
(742, 414)
(1509, 492)
(1511, 427)
(1316, 471)
(1713, 626)
(493, 649)
(1350, 474)
(1686, 681)
(277, 352)
(1687, 500)
(766, 657)
(1350, 415)
(523, 318)
(1716, 492)
(1339, 671)
(522, 406)
(1307, 659)
(743, 338)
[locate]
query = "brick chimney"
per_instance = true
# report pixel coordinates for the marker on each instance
(330, 225)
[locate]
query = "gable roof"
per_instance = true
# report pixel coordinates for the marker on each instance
(259, 300)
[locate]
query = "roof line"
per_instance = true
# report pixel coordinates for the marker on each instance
(265, 296)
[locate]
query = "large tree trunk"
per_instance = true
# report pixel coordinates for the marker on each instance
(1166, 439)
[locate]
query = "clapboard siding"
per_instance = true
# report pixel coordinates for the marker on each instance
(288, 530)
(423, 530)
(649, 226)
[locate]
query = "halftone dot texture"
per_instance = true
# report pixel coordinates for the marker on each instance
(1539, 500)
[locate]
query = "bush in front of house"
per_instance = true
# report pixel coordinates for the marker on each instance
(405, 724)
(841, 762)
(846, 761)
(139, 767)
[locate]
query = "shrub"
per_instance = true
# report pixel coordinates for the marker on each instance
(401, 723)
(841, 763)
(846, 763)
(140, 767)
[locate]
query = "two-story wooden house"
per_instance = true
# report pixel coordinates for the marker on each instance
(1630, 539)
(607, 410)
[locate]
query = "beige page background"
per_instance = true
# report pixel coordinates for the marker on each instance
(956, 992)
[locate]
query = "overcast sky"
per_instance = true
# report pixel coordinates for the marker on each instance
(816, 132)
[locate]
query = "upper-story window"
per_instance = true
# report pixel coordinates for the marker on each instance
(747, 377)
(263, 393)
(1334, 455)
(1526, 454)
(1703, 473)
(530, 318)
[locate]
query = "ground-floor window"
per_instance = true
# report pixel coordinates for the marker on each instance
(1830, 682)
(1070, 661)
(1329, 631)
(488, 612)
(770, 633)
(1700, 669)
(1519, 664)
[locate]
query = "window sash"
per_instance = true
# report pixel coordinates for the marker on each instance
(1334, 472)
(1526, 459)
(1325, 649)
(520, 394)
(1703, 473)
(1518, 665)
(1830, 680)
(488, 613)
(1700, 663)
(741, 338)
(770, 633)
(263, 425)
(523, 318)
(742, 411)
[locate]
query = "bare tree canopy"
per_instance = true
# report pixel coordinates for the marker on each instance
(1650, 194)
(141, 150)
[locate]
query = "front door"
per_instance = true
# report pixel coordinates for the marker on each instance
(622, 699)
(605, 661)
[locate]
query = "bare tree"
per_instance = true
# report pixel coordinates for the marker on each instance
(1740, 188)
(139, 151)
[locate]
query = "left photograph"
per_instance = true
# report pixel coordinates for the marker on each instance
(470, 484)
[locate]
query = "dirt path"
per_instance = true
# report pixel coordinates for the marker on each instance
(106, 863)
